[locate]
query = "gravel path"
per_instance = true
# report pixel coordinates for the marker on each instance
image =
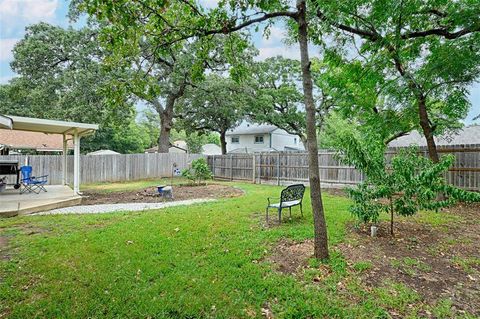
(128, 207)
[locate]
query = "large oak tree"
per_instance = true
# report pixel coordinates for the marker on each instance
(171, 23)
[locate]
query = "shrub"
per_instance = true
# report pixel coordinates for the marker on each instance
(199, 172)
(411, 183)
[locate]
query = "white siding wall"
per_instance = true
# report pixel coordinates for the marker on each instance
(248, 141)
(281, 138)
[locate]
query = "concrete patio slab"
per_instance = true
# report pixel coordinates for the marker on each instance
(12, 203)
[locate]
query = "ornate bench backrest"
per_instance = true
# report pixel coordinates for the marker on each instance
(292, 192)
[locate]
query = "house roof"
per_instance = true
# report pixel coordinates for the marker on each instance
(466, 136)
(32, 140)
(179, 146)
(248, 128)
(103, 152)
(211, 149)
(248, 150)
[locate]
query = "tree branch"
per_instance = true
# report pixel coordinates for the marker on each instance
(442, 32)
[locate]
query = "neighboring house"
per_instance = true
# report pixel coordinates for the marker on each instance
(175, 147)
(179, 146)
(469, 135)
(211, 149)
(18, 141)
(103, 152)
(251, 138)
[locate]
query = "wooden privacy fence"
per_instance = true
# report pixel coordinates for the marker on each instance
(281, 168)
(287, 168)
(107, 168)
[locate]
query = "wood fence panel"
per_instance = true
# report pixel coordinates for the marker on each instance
(106, 168)
(288, 168)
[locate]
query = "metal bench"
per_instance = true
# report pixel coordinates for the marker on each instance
(290, 196)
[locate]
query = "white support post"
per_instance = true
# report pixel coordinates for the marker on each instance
(76, 164)
(64, 159)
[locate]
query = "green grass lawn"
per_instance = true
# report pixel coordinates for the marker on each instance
(202, 261)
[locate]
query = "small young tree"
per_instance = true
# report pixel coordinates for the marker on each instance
(406, 185)
(199, 172)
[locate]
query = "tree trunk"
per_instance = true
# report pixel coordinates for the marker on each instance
(391, 216)
(166, 118)
(320, 228)
(427, 130)
(166, 122)
(223, 142)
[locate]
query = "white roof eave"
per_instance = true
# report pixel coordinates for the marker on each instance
(6, 122)
(51, 126)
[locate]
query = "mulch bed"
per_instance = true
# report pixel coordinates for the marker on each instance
(438, 262)
(150, 194)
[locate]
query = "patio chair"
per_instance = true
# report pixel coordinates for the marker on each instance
(31, 183)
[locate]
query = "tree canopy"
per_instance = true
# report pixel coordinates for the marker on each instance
(427, 54)
(60, 77)
(216, 105)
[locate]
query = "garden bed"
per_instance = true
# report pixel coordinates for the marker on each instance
(150, 194)
(435, 256)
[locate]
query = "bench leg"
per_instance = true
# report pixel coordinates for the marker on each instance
(279, 215)
(266, 211)
(301, 211)
(290, 211)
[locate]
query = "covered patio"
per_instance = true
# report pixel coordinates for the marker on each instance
(13, 203)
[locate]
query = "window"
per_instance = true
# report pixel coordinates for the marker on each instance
(235, 139)
(258, 139)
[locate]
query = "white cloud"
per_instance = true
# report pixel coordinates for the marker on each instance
(16, 14)
(289, 52)
(282, 50)
(5, 79)
(6, 47)
(209, 3)
(276, 36)
(32, 10)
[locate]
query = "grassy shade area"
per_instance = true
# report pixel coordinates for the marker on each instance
(203, 261)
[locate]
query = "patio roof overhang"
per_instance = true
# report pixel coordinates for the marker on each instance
(6, 122)
(76, 130)
(46, 126)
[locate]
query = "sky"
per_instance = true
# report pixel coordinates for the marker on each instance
(15, 15)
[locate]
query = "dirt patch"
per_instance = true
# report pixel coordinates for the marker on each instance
(438, 262)
(288, 256)
(150, 194)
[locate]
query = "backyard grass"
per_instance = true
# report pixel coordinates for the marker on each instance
(204, 261)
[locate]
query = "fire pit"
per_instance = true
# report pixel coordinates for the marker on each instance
(165, 191)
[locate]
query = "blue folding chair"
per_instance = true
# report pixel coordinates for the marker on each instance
(31, 183)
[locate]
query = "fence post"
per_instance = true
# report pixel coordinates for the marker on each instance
(253, 168)
(231, 167)
(278, 169)
(127, 167)
(213, 166)
(260, 169)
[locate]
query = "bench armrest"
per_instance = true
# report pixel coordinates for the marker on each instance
(270, 198)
